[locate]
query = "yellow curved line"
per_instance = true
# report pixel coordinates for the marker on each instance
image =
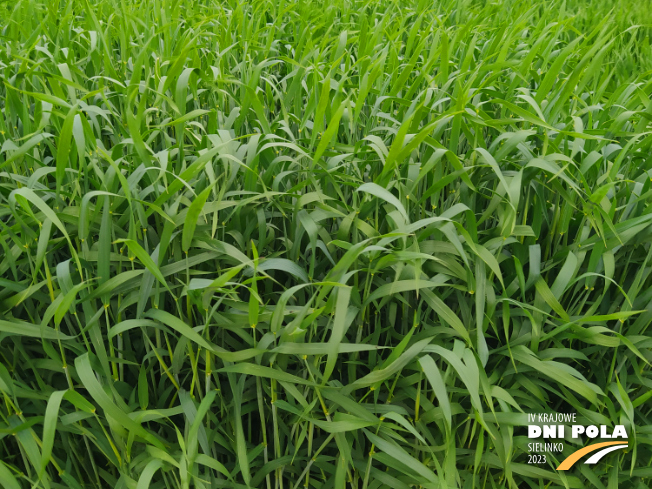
(575, 456)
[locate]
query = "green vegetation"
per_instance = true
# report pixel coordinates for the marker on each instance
(283, 244)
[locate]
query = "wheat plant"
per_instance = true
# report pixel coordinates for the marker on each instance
(322, 244)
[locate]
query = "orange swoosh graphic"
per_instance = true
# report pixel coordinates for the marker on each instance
(575, 456)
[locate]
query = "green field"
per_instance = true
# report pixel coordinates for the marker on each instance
(326, 244)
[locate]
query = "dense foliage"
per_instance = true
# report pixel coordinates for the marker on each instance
(336, 244)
